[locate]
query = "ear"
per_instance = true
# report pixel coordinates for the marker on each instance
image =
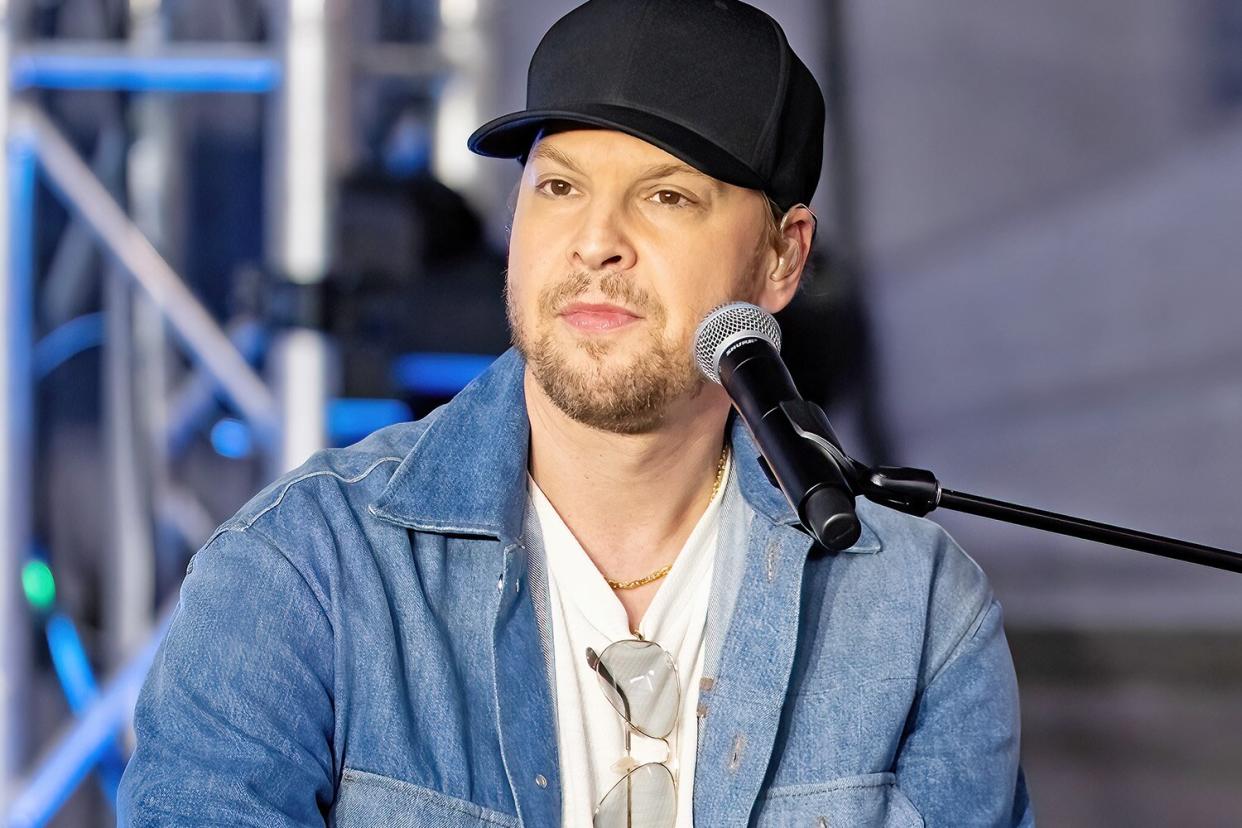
(784, 274)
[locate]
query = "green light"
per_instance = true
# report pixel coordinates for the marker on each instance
(39, 585)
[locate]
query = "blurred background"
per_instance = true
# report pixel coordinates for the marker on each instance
(238, 230)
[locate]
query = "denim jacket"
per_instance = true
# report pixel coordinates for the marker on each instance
(363, 645)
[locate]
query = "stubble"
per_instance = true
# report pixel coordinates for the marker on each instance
(587, 378)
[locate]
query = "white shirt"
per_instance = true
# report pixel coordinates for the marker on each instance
(586, 613)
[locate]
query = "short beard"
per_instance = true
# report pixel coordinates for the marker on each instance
(631, 398)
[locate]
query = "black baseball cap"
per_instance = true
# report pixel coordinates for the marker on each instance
(712, 82)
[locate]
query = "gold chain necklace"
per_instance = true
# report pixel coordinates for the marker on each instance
(664, 570)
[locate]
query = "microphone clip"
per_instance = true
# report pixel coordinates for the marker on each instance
(826, 507)
(810, 423)
(913, 491)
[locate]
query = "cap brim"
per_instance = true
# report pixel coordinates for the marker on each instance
(511, 136)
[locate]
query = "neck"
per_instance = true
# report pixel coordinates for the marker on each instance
(631, 500)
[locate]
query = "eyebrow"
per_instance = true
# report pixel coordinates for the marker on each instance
(551, 153)
(665, 170)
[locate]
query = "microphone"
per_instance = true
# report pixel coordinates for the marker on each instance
(737, 346)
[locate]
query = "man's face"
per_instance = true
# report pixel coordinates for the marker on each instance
(618, 250)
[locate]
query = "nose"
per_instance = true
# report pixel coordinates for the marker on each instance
(602, 241)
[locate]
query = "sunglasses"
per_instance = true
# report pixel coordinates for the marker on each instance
(639, 679)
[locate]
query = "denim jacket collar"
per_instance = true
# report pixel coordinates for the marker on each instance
(466, 474)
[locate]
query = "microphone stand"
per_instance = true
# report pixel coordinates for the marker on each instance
(918, 492)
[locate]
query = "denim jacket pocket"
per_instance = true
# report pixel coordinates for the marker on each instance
(368, 800)
(869, 801)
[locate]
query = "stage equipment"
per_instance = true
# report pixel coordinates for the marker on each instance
(738, 346)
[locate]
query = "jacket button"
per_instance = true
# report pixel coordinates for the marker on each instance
(541, 780)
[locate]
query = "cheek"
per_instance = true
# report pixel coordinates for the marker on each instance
(525, 235)
(519, 293)
(528, 265)
(520, 249)
(715, 265)
(702, 284)
(538, 236)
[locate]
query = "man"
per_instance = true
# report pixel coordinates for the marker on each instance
(571, 597)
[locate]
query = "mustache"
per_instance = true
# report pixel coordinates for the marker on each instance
(614, 286)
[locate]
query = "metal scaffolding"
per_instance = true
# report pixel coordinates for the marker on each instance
(303, 72)
(15, 428)
(299, 246)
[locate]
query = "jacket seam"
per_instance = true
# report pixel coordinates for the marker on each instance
(779, 794)
(444, 800)
(837, 688)
(504, 760)
(967, 638)
(320, 598)
(435, 528)
(248, 524)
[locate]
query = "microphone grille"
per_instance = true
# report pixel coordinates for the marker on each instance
(728, 324)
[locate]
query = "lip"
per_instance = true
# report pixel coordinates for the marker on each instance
(590, 316)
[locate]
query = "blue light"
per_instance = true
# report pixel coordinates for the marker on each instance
(349, 420)
(231, 438)
(407, 151)
(16, 319)
(195, 405)
(90, 740)
(67, 341)
(133, 73)
(438, 375)
(69, 658)
(77, 680)
(22, 171)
